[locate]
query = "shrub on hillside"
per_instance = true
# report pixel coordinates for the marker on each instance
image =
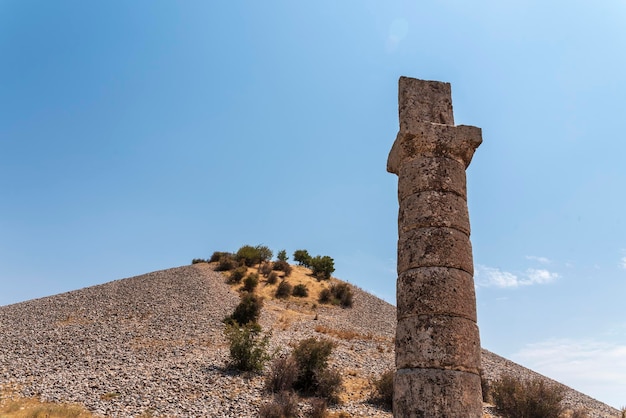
(302, 257)
(250, 255)
(284, 290)
(322, 266)
(284, 405)
(226, 262)
(282, 374)
(266, 269)
(328, 385)
(383, 389)
(272, 278)
(250, 282)
(217, 256)
(282, 256)
(248, 348)
(282, 266)
(311, 356)
(237, 275)
(300, 290)
(198, 260)
(318, 408)
(248, 310)
(533, 398)
(338, 294)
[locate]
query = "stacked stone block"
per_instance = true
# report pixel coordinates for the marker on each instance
(437, 339)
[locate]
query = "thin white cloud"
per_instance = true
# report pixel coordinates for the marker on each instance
(596, 368)
(494, 277)
(542, 260)
(622, 263)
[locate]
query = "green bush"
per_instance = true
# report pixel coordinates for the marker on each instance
(217, 256)
(198, 260)
(272, 278)
(237, 275)
(248, 348)
(322, 266)
(284, 405)
(250, 282)
(533, 398)
(251, 256)
(318, 408)
(248, 310)
(311, 356)
(284, 290)
(325, 296)
(266, 269)
(282, 374)
(300, 290)
(282, 266)
(338, 294)
(282, 256)
(302, 257)
(226, 262)
(383, 389)
(328, 384)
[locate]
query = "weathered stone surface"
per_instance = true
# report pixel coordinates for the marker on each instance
(434, 208)
(437, 342)
(436, 291)
(424, 101)
(427, 174)
(428, 393)
(435, 247)
(431, 140)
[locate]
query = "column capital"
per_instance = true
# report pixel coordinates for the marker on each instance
(428, 139)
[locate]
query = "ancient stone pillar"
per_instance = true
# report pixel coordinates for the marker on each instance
(437, 340)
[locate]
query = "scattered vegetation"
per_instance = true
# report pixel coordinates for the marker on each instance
(248, 310)
(250, 282)
(318, 408)
(198, 260)
(282, 255)
(322, 266)
(533, 398)
(383, 389)
(300, 290)
(251, 256)
(282, 374)
(237, 275)
(338, 294)
(272, 278)
(284, 405)
(226, 262)
(266, 269)
(282, 266)
(248, 348)
(311, 356)
(284, 290)
(306, 370)
(302, 257)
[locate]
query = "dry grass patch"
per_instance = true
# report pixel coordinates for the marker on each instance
(14, 406)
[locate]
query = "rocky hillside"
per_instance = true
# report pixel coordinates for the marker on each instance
(152, 345)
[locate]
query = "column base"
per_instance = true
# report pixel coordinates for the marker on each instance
(434, 393)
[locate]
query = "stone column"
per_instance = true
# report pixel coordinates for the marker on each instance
(437, 340)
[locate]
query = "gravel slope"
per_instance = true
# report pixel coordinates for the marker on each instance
(153, 344)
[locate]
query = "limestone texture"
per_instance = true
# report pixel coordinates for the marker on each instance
(437, 338)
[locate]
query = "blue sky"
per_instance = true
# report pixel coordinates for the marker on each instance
(135, 136)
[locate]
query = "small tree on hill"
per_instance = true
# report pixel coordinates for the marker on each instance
(282, 256)
(322, 266)
(302, 257)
